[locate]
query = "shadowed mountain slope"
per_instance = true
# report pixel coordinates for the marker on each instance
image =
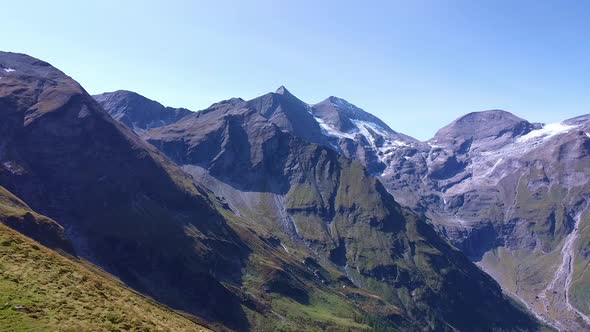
(122, 204)
(138, 112)
(42, 290)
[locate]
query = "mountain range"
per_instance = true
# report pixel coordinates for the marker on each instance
(272, 213)
(509, 193)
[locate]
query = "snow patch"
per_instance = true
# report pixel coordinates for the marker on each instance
(491, 170)
(587, 135)
(366, 127)
(495, 165)
(12, 167)
(9, 70)
(545, 133)
(328, 130)
(285, 248)
(365, 130)
(372, 131)
(379, 139)
(461, 221)
(400, 143)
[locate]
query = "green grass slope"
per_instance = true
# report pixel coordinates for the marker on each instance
(290, 291)
(17, 215)
(41, 290)
(387, 250)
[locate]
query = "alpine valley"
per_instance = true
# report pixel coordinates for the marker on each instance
(121, 214)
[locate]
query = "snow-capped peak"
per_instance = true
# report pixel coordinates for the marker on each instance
(379, 139)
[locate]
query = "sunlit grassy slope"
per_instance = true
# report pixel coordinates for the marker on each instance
(41, 290)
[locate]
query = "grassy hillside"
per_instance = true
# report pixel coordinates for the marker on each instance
(41, 290)
(19, 216)
(580, 289)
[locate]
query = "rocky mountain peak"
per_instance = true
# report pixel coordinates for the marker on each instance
(122, 94)
(287, 112)
(494, 115)
(284, 97)
(231, 101)
(282, 90)
(336, 101)
(13, 64)
(343, 114)
(137, 111)
(22, 77)
(486, 125)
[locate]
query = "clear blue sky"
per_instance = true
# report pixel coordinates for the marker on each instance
(416, 64)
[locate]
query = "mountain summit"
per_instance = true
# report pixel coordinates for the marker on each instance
(477, 126)
(283, 91)
(138, 112)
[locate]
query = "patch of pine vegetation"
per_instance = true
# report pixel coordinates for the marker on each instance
(41, 290)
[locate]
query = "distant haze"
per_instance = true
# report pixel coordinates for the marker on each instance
(417, 65)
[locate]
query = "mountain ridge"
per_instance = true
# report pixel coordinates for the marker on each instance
(138, 112)
(129, 209)
(467, 153)
(317, 196)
